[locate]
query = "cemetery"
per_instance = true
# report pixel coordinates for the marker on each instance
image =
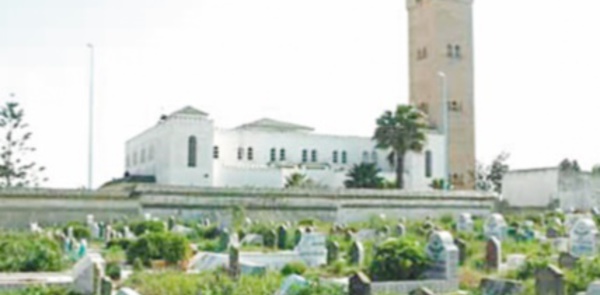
(537, 253)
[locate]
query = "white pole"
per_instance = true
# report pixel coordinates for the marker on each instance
(91, 118)
(444, 92)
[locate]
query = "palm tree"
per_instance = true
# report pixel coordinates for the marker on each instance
(296, 180)
(364, 175)
(401, 131)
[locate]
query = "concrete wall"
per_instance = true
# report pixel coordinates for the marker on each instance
(531, 187)
(56, 207)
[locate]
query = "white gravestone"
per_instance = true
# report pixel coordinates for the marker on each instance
(312, 249)
(495, 226)
(582, 238)
(444, 254)
(593, 288)
(465, 223)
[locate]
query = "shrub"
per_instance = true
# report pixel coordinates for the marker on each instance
(39, 290)
(121, 243)
(152, 226)
(398, 259)
(30, 253)
(80, 231)
(113, 271)
(168, 246)
(294, 267)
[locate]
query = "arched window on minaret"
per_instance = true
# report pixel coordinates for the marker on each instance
(192, 151)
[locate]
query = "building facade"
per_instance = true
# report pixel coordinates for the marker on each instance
(186, 148)
(441, 41)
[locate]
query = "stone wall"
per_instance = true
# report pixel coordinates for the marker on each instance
(55, 207)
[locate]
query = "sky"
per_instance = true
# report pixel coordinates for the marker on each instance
(335, 65)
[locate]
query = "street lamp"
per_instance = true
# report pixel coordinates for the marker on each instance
(91, 118)
(444, 93)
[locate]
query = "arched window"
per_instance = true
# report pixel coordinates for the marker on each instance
(456, 51)
(282, 155)
(344, 157)
(428, 164)
(335, 157)
(304, 156)
(273, 155)
(250, 154)
(215, 152)
(240, 153)
(365, 157)
(313, 156)
(192, 151)
(374, 158)
(449, 48)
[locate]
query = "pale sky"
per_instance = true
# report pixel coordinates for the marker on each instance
(335, 65)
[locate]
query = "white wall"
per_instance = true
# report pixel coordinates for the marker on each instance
(530, 188)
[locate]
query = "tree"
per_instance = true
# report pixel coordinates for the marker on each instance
(490, 177)
(401, 131)
(364, 175)
(567, 166)
(299, 180)
(16, 169)
(399, 259)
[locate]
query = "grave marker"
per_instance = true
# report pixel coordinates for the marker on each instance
(270, 239)
(462, 250)
(495, 226)
(282, 237)
(444, 255)
(400, 229)
(566, 260)
(465, 223)
(359, 284)
(234, 262)
(549, 281)
(500, 287)
(582, 238)
(593, 288)
(493, 254)
(333, 252)
(357, 253)
(312, 249)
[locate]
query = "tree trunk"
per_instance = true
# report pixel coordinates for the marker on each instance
(399, 170)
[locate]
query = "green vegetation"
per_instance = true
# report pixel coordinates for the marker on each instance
(40, 291)
(153, 226)
(364, 175)
(21, 252)
(398, 259)
(170, 247)
(297, 267)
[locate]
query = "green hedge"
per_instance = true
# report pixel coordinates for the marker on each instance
(30, 253)
(159, 246)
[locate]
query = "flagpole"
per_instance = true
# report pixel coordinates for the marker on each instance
(91, 118)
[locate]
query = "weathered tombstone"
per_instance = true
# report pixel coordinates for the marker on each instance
(495, 226)
(560, 244)
(357, 253)
(312, 249)
(549, 281)
(490, 286)
(171, 222)
(566, 260)
(70, 232)
(82, 250)
(421, 291)
(270, 239)
(333, 252)
(127, 232)
(224, 240)
(552, 232)
(400, 229)
(593, 288)
(234, 262)
(282, 235)
(465, 223)
(515, 261)
(462, 250)
(102, 230)
(106, 286)
(493, 254)
(444, 256)
(108, 233)
(582, 238)
(89, 219)
(359, 284)
(297, 236)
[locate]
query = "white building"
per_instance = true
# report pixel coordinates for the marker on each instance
(185, 148)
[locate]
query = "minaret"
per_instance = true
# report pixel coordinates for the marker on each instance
(441, 40)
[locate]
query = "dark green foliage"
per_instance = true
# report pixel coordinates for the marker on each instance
(584, 273)
(39, 290)
(306, 222)
(153, 246)
(121, 243)
(364, 175)
(294, 267)
(153, 226)
(138, 265)
(30, 253)
(113, 271)
(398, 259)
(80, 231)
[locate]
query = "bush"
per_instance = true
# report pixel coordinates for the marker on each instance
(167, 246)
(294, 267)
(30, 253)
(398, 259)
(113, 271)
(41, 291)
(121, 243)
(153, 226)
(80, 231)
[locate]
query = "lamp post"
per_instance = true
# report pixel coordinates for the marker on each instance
(91, 118)
(444, 93)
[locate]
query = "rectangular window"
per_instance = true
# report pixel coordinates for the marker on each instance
(335, 157)
(240, 154)
(344, 157)
(273, 155)
(216, 152)
(313, 156)
(304, 156)
(250, 154)
(428, 164)
(282, 155)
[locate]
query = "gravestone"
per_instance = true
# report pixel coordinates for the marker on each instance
(171, 222)
(593, 288)
(282, 237)
(515, 261)
(462, 250)
(234, 262)
(359, 284)
(106, 286)
(465, 223)
(224, 240)
(490, 286)
(444, 255)
(357, 253)
(493, 254)
(566, 260)
(582, 237)
(297, 236)
(127, 232)
(70, 232)
(102, 230)
(549, 281)
(560, 244)
(552, 232)
(421, 291)
(333, 252)
(270, 239)
(312, 249)
(495, 226)
(253, 240)
(400, 229)
(95, 230)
